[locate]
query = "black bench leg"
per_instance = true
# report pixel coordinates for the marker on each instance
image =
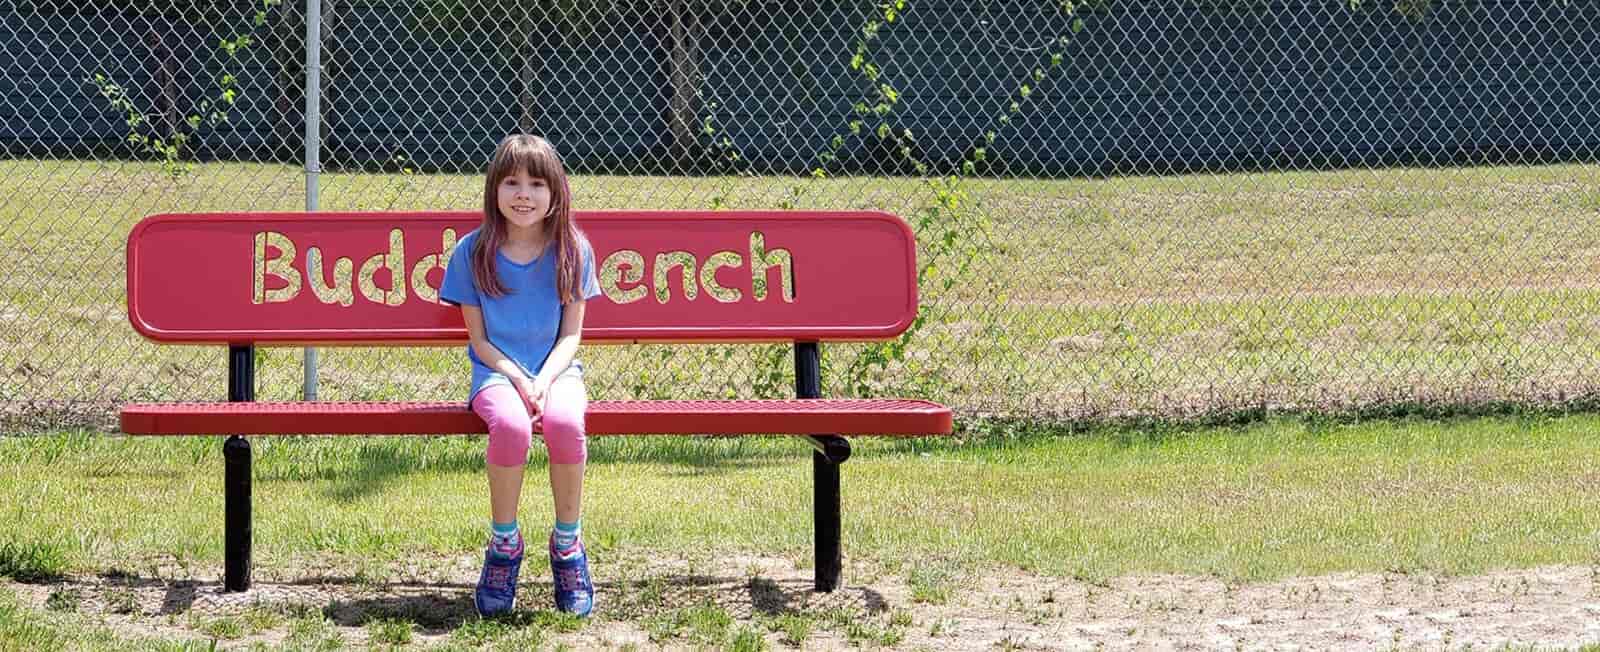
(236, 476)
(825, 516)
(236, 539)
(832, 451)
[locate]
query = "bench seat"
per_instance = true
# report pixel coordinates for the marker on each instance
(783, 416)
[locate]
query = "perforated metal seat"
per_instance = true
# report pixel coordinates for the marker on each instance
(779, 417)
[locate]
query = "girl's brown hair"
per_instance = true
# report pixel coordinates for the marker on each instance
(538, 158)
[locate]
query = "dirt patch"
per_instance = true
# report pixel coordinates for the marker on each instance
(930, 606)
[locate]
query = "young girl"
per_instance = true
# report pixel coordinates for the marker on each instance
(521, 280)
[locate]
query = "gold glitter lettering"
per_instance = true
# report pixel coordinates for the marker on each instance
(680, 259)
(708, 276)
(339, 291)
(625, 266)
(761, 259)
(419, 271)
(281, 266)
(394, 261)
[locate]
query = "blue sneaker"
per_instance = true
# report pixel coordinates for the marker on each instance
(574, 589)
(497, 585)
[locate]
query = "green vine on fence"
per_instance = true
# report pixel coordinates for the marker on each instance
(951, 227)
(170, 147)
(948, 229)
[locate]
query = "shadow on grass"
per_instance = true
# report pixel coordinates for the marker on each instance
(375, 468)
(990, 434)
(741, 597)
(442, 607)
(363, 465)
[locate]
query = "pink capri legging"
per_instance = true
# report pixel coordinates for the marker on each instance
(511, 427)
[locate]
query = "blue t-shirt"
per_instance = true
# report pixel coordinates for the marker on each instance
(524, 322)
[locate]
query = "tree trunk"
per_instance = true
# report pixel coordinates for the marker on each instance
(165, 78)
(528, 68)
(288, 83)
(331, 148)
(683, 73)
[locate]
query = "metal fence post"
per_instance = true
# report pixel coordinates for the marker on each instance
(313, 151)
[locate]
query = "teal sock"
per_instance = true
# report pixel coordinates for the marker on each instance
(566, 534)
(504, 539)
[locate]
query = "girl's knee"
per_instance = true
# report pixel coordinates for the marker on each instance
(564, 436)
(509, 440)
(510, 427)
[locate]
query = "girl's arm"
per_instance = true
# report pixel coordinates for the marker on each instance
(492, 357)
(565, 350)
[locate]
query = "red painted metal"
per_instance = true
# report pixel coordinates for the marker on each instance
(192, 277)
(796, 417)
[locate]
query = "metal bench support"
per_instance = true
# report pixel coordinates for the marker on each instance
(236, 476)
(832, 450)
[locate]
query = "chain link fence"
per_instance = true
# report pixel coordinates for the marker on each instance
(1167, 208)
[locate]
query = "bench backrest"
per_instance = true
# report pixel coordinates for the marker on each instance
(372, 278)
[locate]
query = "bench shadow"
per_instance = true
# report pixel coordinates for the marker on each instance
(374, 468)
(441, 607)
(436, 611)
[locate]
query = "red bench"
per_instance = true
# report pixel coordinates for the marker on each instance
(279, 279)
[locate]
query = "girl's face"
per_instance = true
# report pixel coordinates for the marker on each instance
(524, 199)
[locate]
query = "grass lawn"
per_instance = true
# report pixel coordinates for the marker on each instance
(1277, 499)
(1089, 297)
(1265, 502)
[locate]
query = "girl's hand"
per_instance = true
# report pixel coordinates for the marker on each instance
(541, 392)
(532, 391)
(535, 393)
